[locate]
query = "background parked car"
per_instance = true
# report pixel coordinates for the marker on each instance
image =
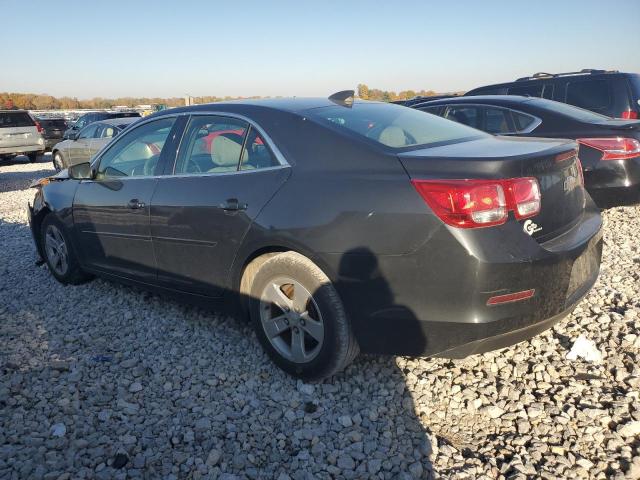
(91, 117)
(87, 142)
(612, 93)
(20, 135)
(52, 130)
(337, 225)
(609, 148)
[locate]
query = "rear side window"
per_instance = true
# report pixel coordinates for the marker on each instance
(392, 125)
(15, 119)
(589, 94)
(533, 90)
(256, 153)
(522, 121)
(497, 120)
(469, 116)
(211, 144)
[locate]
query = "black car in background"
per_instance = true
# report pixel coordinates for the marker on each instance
(91, 117)
(338, 226)
(609, 148)
(52, 130)
(611, 93)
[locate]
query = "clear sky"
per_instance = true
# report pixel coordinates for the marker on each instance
(242, 48)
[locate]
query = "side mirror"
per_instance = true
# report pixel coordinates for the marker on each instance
(74, 135)
(81, 171)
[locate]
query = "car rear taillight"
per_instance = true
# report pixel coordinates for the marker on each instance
(480, 203)
(616, 148)
(629, 114)
(38, 127)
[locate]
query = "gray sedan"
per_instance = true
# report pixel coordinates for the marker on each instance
(83, 145)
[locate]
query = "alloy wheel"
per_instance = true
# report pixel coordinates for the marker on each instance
(56, 250)
(291, 320)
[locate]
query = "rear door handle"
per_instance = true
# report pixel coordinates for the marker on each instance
(233, 205)
(135, 204)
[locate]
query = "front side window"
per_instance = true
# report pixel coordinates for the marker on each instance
(89, 132)
(589, 94)
(432, 110)
(466, 115)
(108, 131)
(211, 144)
(496, 121)
(391, 125)
(136, 153)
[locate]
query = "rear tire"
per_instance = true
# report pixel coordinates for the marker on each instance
(58, 161)
(299, 318)
(59, 253)
(33, 157)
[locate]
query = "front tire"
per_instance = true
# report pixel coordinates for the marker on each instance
(58, 252)
(299, 318)
(58, 161)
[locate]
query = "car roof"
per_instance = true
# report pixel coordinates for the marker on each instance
(291, 104)
(560, 77)
(119, 121)
(488, 99)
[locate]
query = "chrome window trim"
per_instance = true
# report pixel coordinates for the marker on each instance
(536, 123)
(274, 149)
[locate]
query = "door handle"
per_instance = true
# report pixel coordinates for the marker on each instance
(233, 205)
(135, 204)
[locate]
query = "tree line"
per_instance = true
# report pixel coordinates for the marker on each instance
(366, 93)
(32, 101)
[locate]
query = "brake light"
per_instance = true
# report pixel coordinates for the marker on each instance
(480, 203)
(38, 127)
(616, 148)
(629, 114)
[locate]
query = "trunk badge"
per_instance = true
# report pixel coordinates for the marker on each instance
(530, 227)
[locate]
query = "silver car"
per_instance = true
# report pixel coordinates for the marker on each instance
(20, 135)
(83, 145)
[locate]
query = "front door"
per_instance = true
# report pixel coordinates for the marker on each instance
(79, 149)
(201, 211)
(111, 213)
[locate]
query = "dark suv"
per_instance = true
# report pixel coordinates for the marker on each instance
(91, 117)
(612, 93)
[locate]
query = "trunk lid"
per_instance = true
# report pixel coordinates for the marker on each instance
(554, 163)
(17, 129)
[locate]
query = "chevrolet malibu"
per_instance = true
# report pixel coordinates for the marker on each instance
(336, 226)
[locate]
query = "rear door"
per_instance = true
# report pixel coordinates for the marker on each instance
(225, 172)
(17, 129)
(111, 213)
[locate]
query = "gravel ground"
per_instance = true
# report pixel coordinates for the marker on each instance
(103, 381)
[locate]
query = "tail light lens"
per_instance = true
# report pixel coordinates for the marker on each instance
(480, 203)
(616, 148)
(38, 127)
(630, 114)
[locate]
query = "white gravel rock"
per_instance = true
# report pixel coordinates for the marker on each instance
(142, 387)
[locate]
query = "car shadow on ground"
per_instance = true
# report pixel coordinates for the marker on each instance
(145, 385)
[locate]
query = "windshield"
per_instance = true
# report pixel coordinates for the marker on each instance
(393, 125)
(576, 113)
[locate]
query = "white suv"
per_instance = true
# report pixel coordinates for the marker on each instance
(20, 135)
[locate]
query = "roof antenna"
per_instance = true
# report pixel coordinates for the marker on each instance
(344, 98)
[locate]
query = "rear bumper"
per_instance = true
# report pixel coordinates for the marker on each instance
(22, 149)
(434, 302)
(614, 183)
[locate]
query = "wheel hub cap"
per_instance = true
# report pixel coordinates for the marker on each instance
(291, 320)
(56, 250)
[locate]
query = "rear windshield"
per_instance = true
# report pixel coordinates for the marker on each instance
(54, 122)
(125, 114)
(576, 113)
(393, 125)
(15, 119)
